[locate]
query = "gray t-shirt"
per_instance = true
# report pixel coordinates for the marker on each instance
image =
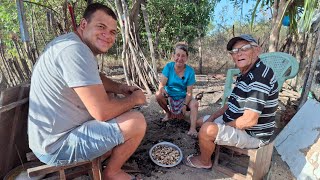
(54, 108)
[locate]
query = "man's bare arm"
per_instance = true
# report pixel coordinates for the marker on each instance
(247, 120)
(218, 113)
(103, 107)
(109, 85)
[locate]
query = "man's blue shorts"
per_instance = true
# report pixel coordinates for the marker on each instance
(86, 142)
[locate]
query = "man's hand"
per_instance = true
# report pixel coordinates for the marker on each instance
(139, 97)
(127, 90)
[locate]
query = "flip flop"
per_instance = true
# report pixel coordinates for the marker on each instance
(194, 135)
(165, 118)
(135, 178)
(189, 163)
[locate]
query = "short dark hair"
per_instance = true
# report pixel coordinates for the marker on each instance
(92, 8)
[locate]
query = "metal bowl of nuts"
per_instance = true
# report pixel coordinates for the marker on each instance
(166, 154)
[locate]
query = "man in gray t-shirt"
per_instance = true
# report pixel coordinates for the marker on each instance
(72, 117)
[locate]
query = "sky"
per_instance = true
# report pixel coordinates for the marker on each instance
(226, 14)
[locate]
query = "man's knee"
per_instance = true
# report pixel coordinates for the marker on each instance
(208, 130)
(139, 121)
(132, 124)
(142, 121)
(132, 120)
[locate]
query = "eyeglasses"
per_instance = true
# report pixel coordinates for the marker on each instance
(243, 48)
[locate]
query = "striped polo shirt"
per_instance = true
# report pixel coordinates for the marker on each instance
(256, 90)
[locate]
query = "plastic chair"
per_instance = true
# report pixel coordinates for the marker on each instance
(283, 65)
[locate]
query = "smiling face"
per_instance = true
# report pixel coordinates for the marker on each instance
(180, 57)
(99, 32)
(245, 58)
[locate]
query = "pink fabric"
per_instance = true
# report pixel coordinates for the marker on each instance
(175, 106)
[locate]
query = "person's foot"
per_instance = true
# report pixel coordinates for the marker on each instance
(180, 116)
(165, 118)
(193, 133)
(121, 175)
(194, 161)
(135, 178)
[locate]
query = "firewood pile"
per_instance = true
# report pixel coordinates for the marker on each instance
(288, 94)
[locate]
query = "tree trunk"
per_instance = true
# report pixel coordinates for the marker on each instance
(146, 22)
(156, 41)
(9, 73)
(300, 56)
(34, 40)
(65, 15)
(134, 19)
(314, 60)
(200, 55)
(307, 65)
(22, 21)
(89, 2)
(3, 80)
(279, 8)
(124, 40)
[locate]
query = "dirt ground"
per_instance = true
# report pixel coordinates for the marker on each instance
(175, 132)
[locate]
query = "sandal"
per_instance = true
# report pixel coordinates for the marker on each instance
(199, 96)
(189, 163)
(135, 178)
(193, 134)
(165, 118)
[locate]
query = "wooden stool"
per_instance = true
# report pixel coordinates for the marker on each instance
(95, 166)
(259, 162)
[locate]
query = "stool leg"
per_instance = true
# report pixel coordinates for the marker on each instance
(259, 162)
(96, 169)
(216, 155)
(62, 174)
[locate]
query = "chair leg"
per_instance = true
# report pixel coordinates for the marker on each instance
(96, 169)
(62, 174)
(216, 155)
(224, 169)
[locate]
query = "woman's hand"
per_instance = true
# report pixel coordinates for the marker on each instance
(184, 109)
(164, 92)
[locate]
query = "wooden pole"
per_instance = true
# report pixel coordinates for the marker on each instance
(146, 22)
(22, 21)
